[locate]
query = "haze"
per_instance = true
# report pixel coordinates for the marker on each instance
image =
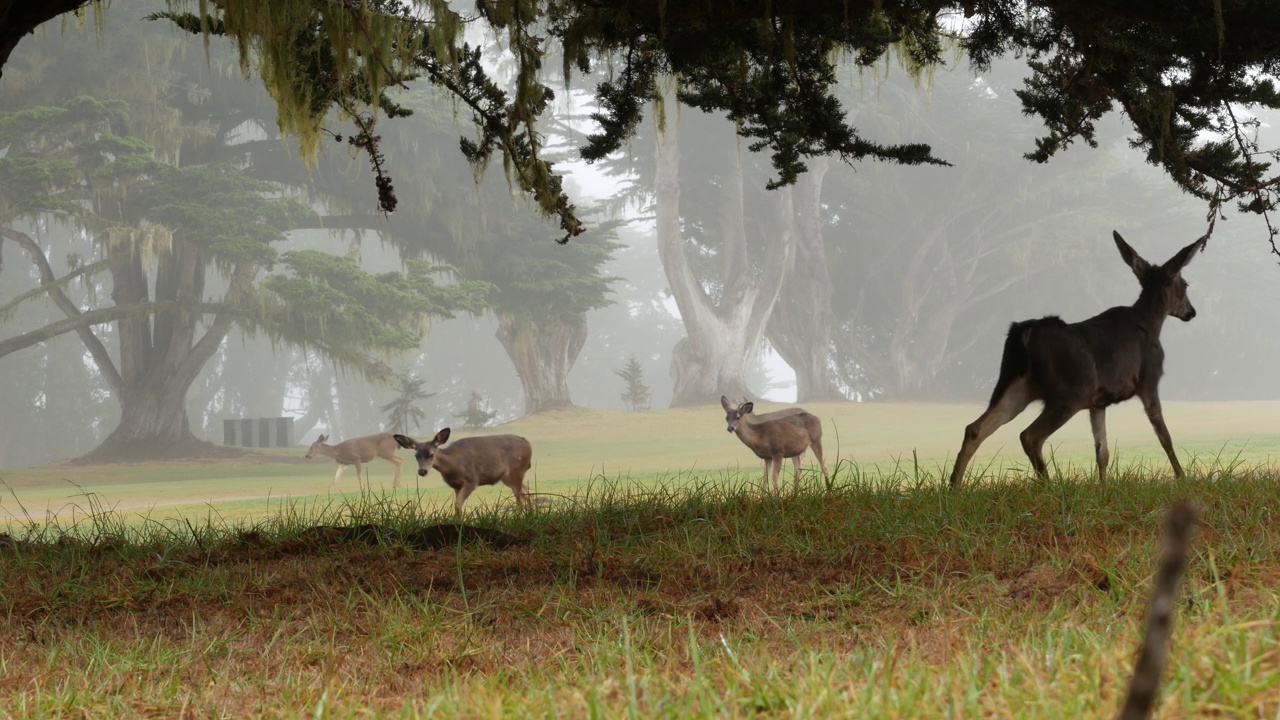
(927, 266)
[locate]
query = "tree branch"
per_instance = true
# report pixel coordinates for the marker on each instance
(102, 317)
(48, 279)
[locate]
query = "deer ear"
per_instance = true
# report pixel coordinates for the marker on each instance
(746, 408)
(724, 403)
(405, 441)
(322, 438)
(1131, 257)
(1179, 261)
(441, 437)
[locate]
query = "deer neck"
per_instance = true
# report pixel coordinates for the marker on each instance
(1151, 311)
(444, 463)
(749, 427)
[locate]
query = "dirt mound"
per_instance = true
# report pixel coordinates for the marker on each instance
(139, 451)
(432, 537)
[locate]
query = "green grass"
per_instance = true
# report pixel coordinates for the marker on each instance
(675, 590)
(882, 595)
(576, 446)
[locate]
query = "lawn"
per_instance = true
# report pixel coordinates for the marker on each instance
(673, 446)
(660, 582)
(869, 598)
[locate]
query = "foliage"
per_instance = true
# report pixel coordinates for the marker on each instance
(1181, 71)
(404, 413)
(636, 396)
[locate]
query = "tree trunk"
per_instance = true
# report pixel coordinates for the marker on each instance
(712, 358)
(543, 355)
(800, 329)
(150, 411)
(160, 356)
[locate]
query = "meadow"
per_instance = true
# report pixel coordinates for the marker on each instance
(673, 447)
(659, 582)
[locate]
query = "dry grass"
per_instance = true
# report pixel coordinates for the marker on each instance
(879, 596)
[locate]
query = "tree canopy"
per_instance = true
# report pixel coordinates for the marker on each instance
(1186, 73)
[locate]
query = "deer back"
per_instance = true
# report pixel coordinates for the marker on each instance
(364, 448)
(783, 433)
(483, 460)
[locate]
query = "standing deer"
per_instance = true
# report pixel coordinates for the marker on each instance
(776, 435)
(358, 451)
(1091, 364)
(471, 462)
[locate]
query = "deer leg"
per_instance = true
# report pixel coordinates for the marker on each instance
(395, 479)
(1013, 401)
(516, 483)
(460, 499)
(1034, 437)
(777, 470)
(1156, 415)
(366, 476)
(1098, 421)
(817, 452)
(337, 475)
(795, 462)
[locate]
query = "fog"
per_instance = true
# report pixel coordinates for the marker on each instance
(924, 267)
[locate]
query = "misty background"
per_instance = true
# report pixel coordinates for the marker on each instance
(900, 280)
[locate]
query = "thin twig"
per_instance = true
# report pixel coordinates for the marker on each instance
(1144, 688)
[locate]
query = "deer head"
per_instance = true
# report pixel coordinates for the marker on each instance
(732, 414)
(1163, 284)
(316, 445)
(425, 452)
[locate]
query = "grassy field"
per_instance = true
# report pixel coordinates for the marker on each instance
(868, 599)
(573, 447)
(666, 585)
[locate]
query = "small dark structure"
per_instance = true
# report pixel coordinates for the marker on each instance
(258, 432)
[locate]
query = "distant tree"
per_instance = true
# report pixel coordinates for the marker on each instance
(477, 414)
(636, 397)
(171, 237)
(541, 292)
(404, 413)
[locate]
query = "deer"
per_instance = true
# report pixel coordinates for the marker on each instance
(358, 451)
(1088, 365)
(776, 435)
(471, 462)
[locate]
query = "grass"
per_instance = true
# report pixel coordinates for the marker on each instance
(674, 446)
(881, 595)
(677, 589)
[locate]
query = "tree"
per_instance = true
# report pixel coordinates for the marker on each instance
(1178, 70)
(404, 413)
(724, 326)
(477, 414)
(186, 223)
(636, 396)
(539, 292)
(802, 323)
(924, 280)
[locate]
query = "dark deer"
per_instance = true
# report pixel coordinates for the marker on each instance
(471, 462)
(358, 451)
(776, 435)
(1091, 364)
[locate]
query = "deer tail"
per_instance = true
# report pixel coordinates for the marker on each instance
(1015, 362)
